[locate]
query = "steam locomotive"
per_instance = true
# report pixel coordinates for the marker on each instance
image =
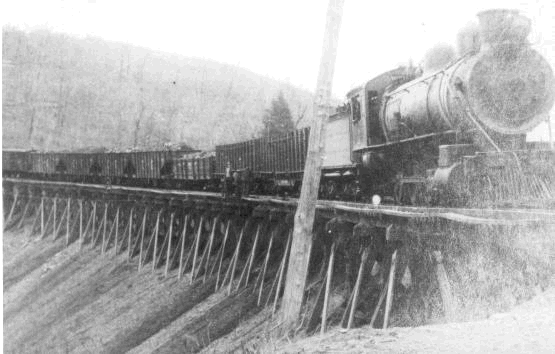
(454, 136)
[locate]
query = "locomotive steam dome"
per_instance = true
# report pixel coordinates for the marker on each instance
(510, 85)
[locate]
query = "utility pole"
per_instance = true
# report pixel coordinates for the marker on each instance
(304, 217)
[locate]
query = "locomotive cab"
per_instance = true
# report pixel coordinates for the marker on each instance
(366, 128)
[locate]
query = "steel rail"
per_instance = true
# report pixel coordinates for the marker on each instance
(463, 215)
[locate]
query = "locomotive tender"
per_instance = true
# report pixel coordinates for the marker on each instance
(455, 136)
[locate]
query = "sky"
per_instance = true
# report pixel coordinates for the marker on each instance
(280, 39)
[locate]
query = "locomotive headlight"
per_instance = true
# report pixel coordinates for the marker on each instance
(376, 199)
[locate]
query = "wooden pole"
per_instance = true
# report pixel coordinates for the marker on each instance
(73, 226)
(143, 227)
(96, 236)
(264, 269)
(183, 236)
(244, 271)
(116, 231)
(449, 304)
(47, 222)
(80, 222)
(274, 283)
(129, 235)
(201, 261)
(15, 199)
(379, 304)
(54, 217)
(304, 216)
(390, 289)
(253, 253)
(137, 243)
(168, 254)
(150, 242)
(357, 287)
(20, 223)
(93, 218)
(222, 254)
(210, 242)
(197, 242)
(57, 227)
(159, 256)
(236, 257)
(282, 270)
(156, 231)
(104, 227)
(105, 246)
(189, 254)
(329, 277)
(87, 228)
(37, 216)
(42, 217)
(68, 221)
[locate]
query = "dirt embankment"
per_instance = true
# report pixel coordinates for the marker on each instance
(528, 328)
(69, 300)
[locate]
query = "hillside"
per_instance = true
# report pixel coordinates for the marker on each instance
(62, 92)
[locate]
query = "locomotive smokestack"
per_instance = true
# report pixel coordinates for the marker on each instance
(501, 26)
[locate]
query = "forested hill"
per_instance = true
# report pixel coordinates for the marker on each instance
(67, 93)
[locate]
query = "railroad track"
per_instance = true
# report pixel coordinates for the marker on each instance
(508, 216)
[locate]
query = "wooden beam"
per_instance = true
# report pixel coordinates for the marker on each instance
(142, 237)
(68, 221)
(55, 211)
(156, 231)
(306, 209)
(390, 289)
(196, 246)
(263, 274)
(282, 271)
(235, 258)
(329, 277)
(116, 231)
(168, 254)
(222, 254)
(449, 303)
(357, 287)
(130, 234)
(183, 237)
(210, 242)
(24, 214)
(15, 200)
(42, 226)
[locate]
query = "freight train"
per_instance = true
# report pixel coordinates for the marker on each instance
(454, 136)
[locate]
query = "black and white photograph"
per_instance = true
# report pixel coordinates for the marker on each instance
(259, 176)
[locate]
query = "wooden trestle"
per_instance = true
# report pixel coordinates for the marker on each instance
(238, 243)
